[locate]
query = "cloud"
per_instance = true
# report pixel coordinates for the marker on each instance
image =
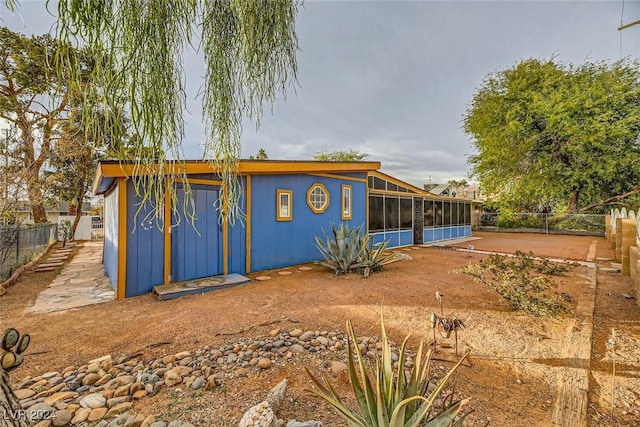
(393, 79)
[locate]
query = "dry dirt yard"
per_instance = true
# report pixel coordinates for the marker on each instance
(515, 359)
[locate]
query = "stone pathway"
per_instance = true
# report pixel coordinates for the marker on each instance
(83, 281)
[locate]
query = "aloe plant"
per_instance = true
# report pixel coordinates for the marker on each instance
(343, 251)
(391, 400)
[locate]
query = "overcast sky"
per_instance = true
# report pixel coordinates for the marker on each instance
(393, 79)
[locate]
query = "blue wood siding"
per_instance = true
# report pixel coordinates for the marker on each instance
(395, 238)
(445, 233)
(145, 247)
(282, 243)
(405, 238)
(196, 246)
(238, 241)
(111, 236)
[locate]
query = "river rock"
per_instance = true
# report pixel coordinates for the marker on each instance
(307, 336)
(24, 393)
(62, 418)
(119, 408)
(135, 421)
(90, 379)
(296, 348)
(338, 367)
(93, 400)
(182, 355)
(198, 383)
(59, 397)
(172, 378)
(296, 333)
(81, 415)
(264, 363)
(96, 414)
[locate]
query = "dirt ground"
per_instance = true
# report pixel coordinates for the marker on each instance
(514, 358)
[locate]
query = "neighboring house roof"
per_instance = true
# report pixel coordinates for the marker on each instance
(439, 189)
(108, 171)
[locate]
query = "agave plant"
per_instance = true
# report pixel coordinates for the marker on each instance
(343, 251)
(392, 399)
(374, 256)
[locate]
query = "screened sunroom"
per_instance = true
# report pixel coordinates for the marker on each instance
(407, 215)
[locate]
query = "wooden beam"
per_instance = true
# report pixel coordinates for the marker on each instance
(225, 234)
(111, 170)
(248, 228)
(123, 233)
(336, 176)
(167, 233)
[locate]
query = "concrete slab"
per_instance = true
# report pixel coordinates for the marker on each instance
(199, 286)
(450, 242)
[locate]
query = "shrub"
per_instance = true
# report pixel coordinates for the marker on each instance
(514, 279)
(64, 231)
(391, 399)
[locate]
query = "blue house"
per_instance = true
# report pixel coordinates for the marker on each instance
(286, 204)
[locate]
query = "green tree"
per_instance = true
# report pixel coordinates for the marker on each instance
(340, 156)
(556, 136)
(35, 101)
(12, 178)
(74, 158)
(262, 155)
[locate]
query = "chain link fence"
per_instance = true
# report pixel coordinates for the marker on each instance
(584, 224)
(20, 243)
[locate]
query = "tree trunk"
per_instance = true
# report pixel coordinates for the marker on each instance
(82, 189)
(11, 414)
(573, 202)
(39, 214)
(32, 167)
(36, 199)
(76, 221)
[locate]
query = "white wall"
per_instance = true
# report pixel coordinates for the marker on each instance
(83, 232)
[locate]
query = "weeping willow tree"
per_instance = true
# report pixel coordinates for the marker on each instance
(138, 47)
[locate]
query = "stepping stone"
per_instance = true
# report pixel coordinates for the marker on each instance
(263, 278)
(41, 269)
(284, 273)
(305, 268)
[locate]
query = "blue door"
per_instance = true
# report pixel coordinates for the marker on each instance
(196, 246)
